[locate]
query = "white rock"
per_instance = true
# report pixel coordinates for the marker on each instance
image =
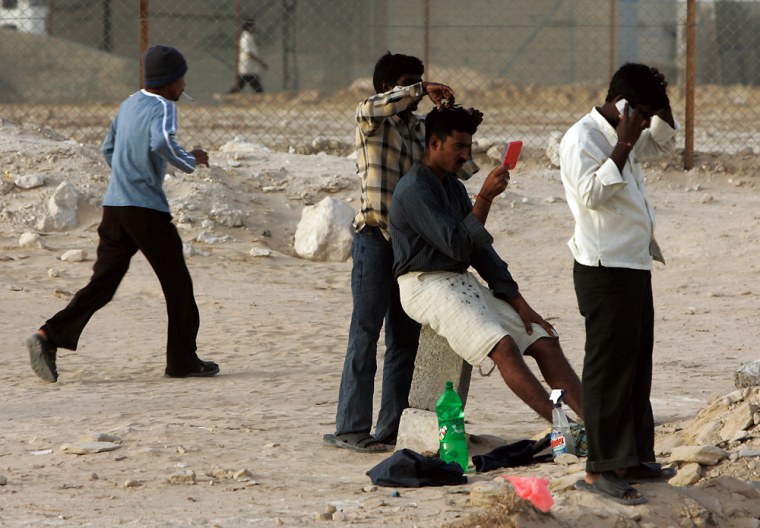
(566, 459)
(748, 375)
(496, 152)
(227, 216)
(29, 240)
(87, 448)
(207, 238)
(54, 272)
(260, 252)
(189, 250)
(131, 483)
(62, 209)
(325, 232)
(29, 181)
(74, 255)
(552, 148)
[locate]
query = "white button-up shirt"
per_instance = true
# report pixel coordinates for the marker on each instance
(614, 222)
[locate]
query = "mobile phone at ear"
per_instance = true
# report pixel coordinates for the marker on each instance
(512, 154)
(621, 106)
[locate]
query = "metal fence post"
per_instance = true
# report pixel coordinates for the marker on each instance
(691, 66)
(144, 36)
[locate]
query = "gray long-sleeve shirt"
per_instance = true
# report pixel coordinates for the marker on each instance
(433, 229)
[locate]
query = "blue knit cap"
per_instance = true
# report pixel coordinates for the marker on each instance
(163, 65)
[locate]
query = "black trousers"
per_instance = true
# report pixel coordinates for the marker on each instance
(617, 369)
(254, 81)
(123, 231)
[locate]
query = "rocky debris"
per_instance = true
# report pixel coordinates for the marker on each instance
(62, 209)
(3, 480)
(704, 455)
(725, 418)
(239, 144)
(325, 232)
(321, 144)
(748, 375)
(186, 476)
(687, 475)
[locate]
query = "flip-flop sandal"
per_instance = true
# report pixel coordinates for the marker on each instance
(359, 442)
(611, 486)
(649, 472)
(42, 358)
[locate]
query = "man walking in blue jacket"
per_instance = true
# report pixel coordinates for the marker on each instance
(139, 145)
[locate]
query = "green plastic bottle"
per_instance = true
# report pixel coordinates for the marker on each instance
(453, 443)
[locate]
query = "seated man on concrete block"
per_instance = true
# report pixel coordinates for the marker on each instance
(437, 234)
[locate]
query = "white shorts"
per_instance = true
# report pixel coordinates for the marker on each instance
(465, 312)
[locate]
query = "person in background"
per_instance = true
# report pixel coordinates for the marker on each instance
(613, 245)
(139, 145)
(249, 62)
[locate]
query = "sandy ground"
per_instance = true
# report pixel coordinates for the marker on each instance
(277, 326)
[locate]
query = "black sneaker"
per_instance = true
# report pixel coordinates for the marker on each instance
(42, 358)
(204, 369)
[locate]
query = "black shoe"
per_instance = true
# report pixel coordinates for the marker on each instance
(42, 358)
(204, 369)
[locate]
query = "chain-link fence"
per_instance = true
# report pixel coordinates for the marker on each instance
(532, 66)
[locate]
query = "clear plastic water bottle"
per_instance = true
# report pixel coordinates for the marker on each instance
(453, 443)
(561, 439)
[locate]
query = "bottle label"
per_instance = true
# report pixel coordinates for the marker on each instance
(559, 445)
(450, 428)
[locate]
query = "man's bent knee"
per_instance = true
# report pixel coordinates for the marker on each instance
(544, 346)
(506, 348)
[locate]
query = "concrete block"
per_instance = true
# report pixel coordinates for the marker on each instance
(436, 364)
(418, 431)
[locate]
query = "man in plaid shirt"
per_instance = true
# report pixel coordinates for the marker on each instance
(389, 139)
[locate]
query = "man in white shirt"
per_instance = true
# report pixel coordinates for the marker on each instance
(613, 245)
(249, 60)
